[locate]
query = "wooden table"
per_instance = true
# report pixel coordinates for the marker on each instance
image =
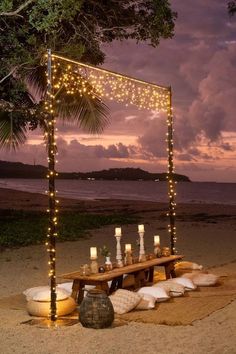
(143, 272)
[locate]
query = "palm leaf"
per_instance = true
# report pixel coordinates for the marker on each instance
(12, 129)
(91, 114)
(37, 81)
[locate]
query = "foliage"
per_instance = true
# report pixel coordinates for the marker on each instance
(74, 28)
(23, 228)
(104, 251)
(232, 7)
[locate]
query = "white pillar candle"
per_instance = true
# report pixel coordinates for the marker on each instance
(128, 247)
(156, 240)
(140, 228)
(93, 253)
(118, 231)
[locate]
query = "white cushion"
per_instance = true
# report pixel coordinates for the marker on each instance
(201, 279)
(188, 265)
(66, 286)
(187, 283)
(43, 293)
(124, 301)
(173, 289)
(42, 308)
(147, 302)
(159, 293)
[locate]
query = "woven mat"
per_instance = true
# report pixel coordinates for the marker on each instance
(194, 305)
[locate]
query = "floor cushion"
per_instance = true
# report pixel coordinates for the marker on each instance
(188, 265)
(42, 308)
(158, 293)
(201, 279)
(187, 283)
(43, 293)
(173, 289)
(124, 301)
(147, 302)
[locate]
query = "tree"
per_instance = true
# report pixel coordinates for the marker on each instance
(232, 7)
(73, 28)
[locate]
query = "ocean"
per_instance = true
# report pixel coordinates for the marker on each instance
(187, 192)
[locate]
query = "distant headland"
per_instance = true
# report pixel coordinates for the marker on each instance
(21, 170)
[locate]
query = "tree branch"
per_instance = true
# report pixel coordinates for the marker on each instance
(16, 12)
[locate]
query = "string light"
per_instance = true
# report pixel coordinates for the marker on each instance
(170, 176)
(52, 210)
(79, 78)
(95, 82)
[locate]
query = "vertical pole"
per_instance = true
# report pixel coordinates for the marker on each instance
(52, 232)
(170, 176)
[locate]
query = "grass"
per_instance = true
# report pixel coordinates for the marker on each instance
(23, 228)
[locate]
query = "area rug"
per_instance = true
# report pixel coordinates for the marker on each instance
(193, 306)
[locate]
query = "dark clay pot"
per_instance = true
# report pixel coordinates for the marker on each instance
(96, 310)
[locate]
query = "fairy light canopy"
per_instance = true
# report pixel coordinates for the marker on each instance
(83, 78)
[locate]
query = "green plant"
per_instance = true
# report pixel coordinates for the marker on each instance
(105, 251)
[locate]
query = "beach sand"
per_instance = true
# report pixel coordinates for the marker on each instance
(206, 235)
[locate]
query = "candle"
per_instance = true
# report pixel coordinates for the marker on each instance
(93, 253)
(156, 240)
(118, 231)
(128, 247)
(140, 228)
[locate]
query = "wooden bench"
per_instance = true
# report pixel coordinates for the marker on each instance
(143, 272)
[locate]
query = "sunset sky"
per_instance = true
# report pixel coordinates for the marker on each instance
(200, 65)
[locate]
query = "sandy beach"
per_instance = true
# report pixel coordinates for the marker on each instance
(206, 235)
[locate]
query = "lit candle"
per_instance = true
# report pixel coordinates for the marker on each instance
(93, 252)
(156, 240)
(140, 228)
(118, 231)
(128, 247)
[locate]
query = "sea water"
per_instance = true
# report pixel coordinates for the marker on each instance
(187, 192)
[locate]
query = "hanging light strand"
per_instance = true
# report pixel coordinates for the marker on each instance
(52, 208)
(170, 177)
(80, 78)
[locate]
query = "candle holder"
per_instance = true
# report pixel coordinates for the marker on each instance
(128, 258)
(94, 266)
(119, 261)
(142, 256)
(157, 250)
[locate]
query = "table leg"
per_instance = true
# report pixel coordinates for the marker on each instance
(117, 283)
(151, 274)
(81, 292)
(75, 289)
(170, 270)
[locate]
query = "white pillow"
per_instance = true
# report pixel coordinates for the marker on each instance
(187, 283)
(173, 289)
(188, 265)
(43, 293)
(201, 279)
(159, 293)
(147, 302)
(124, 301)
(66, 286)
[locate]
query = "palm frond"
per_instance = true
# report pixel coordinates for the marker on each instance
(91, 114)
(12, 130)
(37, 81)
